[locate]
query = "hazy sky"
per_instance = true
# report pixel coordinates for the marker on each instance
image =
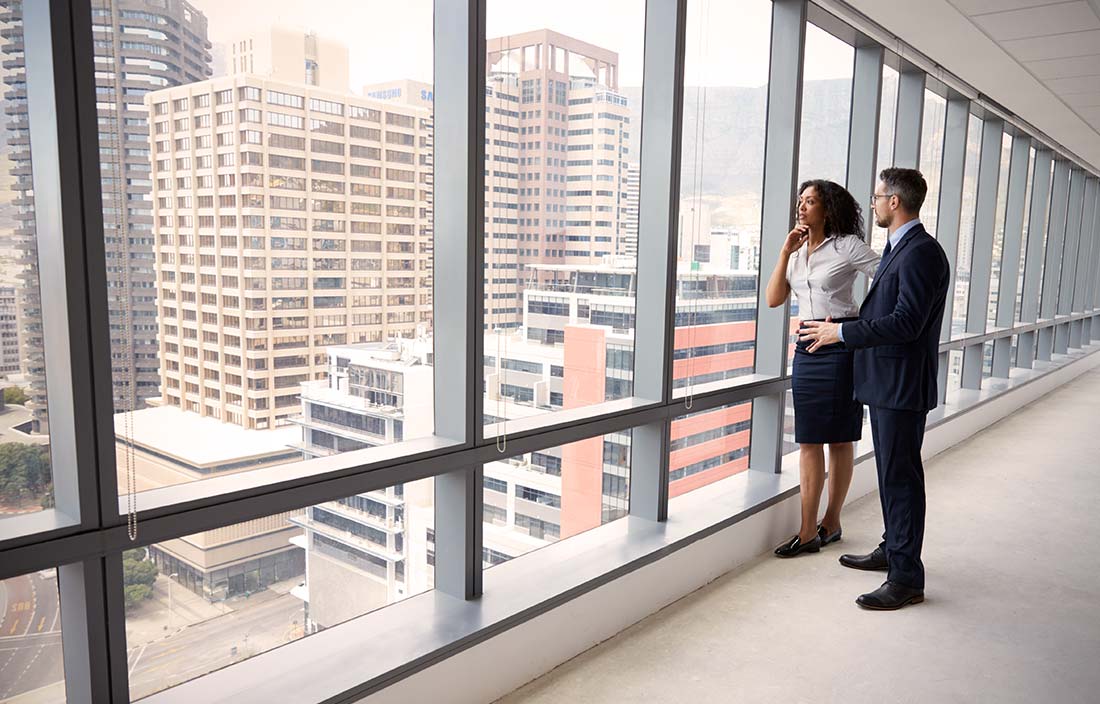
(389, 40)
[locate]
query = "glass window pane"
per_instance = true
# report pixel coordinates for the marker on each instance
(999, 230)
(966, 225)
(954, 371)
(540, 497)
(886, 131)
(708, 446)
(31, 662)
(722, 171)
(1023, 241)
(268, 231)
(826, 114)
(931, 156)
(1046, 234)
(563, 124)
(826, 107)
(26, 482)
(201, 602)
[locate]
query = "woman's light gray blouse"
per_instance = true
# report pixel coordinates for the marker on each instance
(822, 280)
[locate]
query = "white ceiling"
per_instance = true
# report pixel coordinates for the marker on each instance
(1038, 58)
(1058, 43)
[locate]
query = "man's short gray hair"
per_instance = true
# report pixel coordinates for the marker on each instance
(908, 185)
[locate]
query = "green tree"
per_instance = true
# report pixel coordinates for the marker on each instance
(136, 593)
(14, 394)
(138, 576)
(24, 471)
(138, 572)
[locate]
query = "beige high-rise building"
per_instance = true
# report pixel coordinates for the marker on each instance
(287, 219)
(290, 55)
(557, 135)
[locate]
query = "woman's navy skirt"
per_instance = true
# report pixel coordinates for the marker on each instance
(821, 386)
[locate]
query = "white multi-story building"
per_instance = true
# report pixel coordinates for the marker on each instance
(9, 330)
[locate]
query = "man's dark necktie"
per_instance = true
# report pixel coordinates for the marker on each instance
(885, 254)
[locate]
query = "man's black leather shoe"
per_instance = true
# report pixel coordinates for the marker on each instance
(874, 561)
(891, 596)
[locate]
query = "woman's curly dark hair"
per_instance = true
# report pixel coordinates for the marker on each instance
(843, 215)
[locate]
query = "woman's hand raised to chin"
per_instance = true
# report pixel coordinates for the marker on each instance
(795, 239)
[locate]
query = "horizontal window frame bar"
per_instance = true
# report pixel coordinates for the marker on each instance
(964, 341)
(175, 519)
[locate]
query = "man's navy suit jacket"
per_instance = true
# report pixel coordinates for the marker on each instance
(896, 339)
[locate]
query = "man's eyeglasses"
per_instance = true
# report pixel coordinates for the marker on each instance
(876, 196)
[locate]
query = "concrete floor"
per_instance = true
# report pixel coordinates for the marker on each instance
(1012, 610)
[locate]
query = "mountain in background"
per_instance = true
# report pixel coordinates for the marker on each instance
(732, 153)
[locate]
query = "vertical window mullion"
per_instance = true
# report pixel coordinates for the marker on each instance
(783, 122)
(63, 125)
(1083, 262)
(981, 265)
(1011, 261)
(662, 109)
(863, 135)
(1069, 258)
(1052, 257)
(1092, 297)
(1033, 258)
(949, 217)
(459, 204)
(910, 117)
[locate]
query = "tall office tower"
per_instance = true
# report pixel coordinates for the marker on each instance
(628, 239)
(140, 46)
(557, 132)
(290, 56)
(287, 219)
(22, 225)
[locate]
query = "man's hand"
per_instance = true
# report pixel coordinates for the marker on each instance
(819, 333)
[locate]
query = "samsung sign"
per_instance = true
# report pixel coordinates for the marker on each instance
(385, 94)
(391, 93)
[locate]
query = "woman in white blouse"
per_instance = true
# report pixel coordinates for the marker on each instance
(819, 262)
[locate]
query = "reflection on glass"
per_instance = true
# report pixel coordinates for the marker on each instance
(886, 131)
(205, 601)
(31, 662)
(540, 497)
(26, 482)
(708, 446)
(931, 156)
(267, 203)
(563, 121)
(999, 231)
(722, 171)
(966, 225)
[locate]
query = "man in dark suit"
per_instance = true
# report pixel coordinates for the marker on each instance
(896, 342)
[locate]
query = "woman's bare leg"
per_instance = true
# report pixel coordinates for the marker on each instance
(841, 456)
(811, 473)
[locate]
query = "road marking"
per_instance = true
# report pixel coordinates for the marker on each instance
(41, 624)
(166, 652)
(14, 626)
(142, 652)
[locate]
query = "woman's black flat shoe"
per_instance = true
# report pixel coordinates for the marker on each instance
(795, 546)
(828, 538)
